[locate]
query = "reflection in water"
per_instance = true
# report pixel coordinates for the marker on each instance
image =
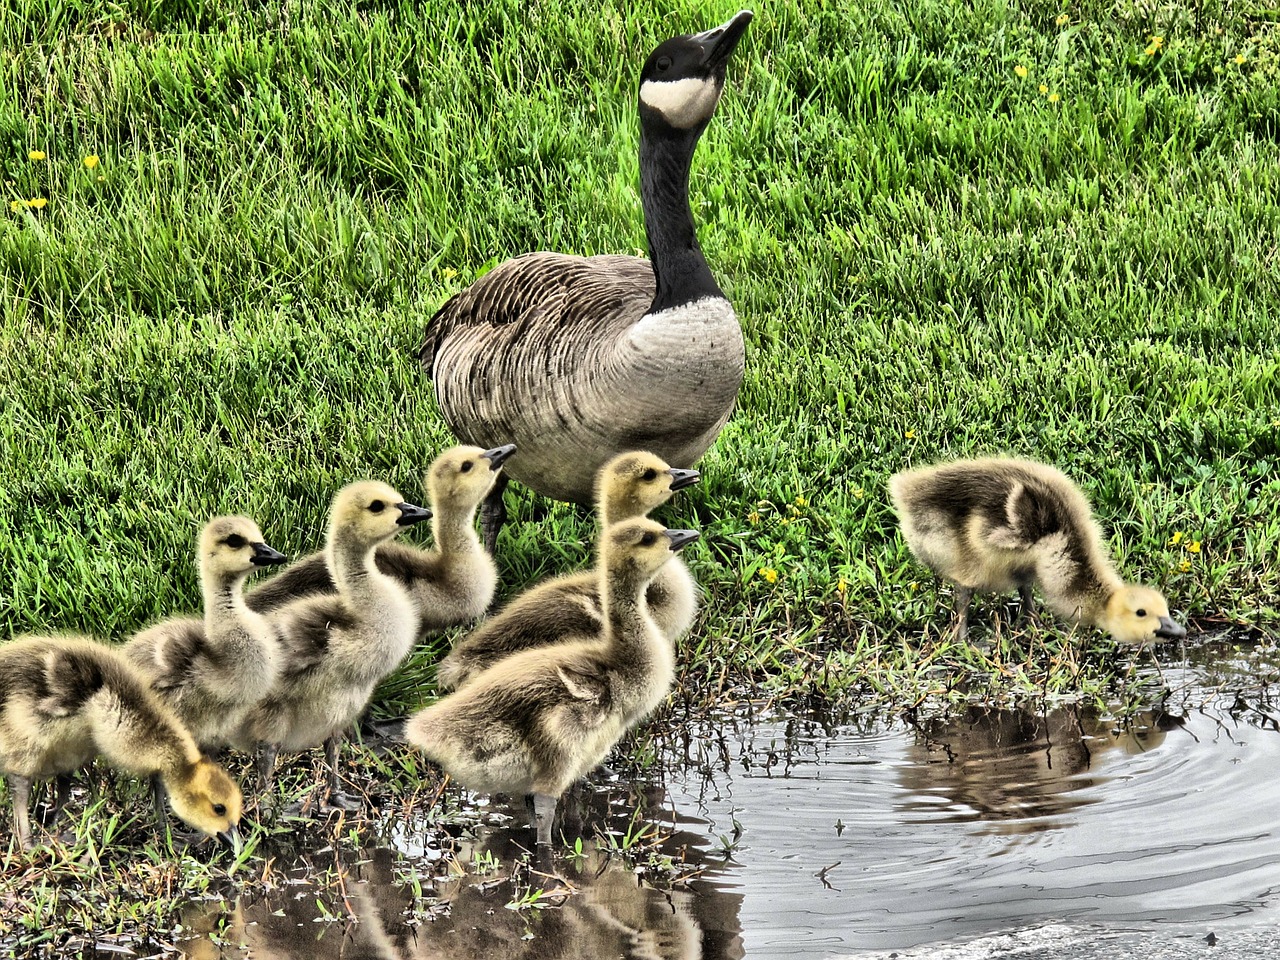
(452, 897)
(1018, 768)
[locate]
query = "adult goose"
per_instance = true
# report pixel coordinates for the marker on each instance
(576, 359)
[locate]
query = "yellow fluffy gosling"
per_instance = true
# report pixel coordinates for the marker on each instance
(450, 584)
(211, 671)
(998, 524)
(336, 647)
(535, 722)
(64, 700)
(630, 485)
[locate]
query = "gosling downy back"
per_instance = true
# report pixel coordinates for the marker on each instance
(629, 485)
(450, 584)
(999, 524)
(212, 670)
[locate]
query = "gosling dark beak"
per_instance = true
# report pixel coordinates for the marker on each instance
(499, 455)
(411, 514)
(264, 556)
(681, 538)
(231, 837)
(1170, 629)
(683, 478)
(719, 42)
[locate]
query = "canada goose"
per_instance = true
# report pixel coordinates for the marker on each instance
(64, 700)
(336, 647)
(450, 584)
(629, 485)
(537, 721)
(211, 671)
(999, 524)
(579, 358)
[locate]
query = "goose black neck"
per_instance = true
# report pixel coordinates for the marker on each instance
(679, 267)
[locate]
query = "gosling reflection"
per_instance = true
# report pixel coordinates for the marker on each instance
(1017, 769)
(459, 906)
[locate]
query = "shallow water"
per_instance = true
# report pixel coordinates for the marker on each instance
(1000, 833)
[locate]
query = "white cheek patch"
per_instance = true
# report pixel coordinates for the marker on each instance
(684, 103)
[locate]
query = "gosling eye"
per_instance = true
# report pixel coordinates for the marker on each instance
(377, 506)
(650, 474)
(648, 539)
(664, 63)
(235, 541)
(466, 466)
(1139, 613)
(220, 809)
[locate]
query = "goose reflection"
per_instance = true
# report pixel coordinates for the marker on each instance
(1017, 769)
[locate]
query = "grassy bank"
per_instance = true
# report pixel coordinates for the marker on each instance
(1007, 226)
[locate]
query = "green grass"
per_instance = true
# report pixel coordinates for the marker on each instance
(930, 258)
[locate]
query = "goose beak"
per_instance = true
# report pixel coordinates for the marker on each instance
(1170, 629)
(718, 43)
(681, 538)
(499, 455)
(231, 837)
(411, 514)
(265, 556)
(683, 478)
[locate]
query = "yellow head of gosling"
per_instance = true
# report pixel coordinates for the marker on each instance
(462, 477)
(205, 796)
(232, 546)
(369, 512)
(1139, 615)
(636, 549)
(634, 483)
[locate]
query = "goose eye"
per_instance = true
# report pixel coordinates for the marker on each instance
(220, 809)
(647, 540)
(1140, 613)
(235, 541)
(466, 466)
(650, 474)
(664, 63)
(377, 506)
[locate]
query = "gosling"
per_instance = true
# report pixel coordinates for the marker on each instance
(64, 700)
(535, 722)
(337, 647)
(211, 672)
(998, 524)
(630, 485)
(450, 585)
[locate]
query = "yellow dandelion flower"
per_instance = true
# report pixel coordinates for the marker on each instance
(1240, 58)
(913, 586)
(16, 205)
(801, 501)
(841, 586)
(1043, 88)
(35, 154)
(1193, 546)
(448, 273)
(1176, 538)
(770, 575)
(1054, 98)
(91, 161)
(37, 203)
(1157, 42)
(753, 518)
(910, 434)
(1185, 566)
(858, 493)
(1062, 19)
(1021, 71)
(1151, 51)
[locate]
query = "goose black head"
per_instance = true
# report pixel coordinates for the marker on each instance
(681, 82)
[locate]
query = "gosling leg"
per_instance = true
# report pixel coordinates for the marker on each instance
(158, 802)
(20, 788)
(1027, 604)
(544, 814)
(61, 793)
(493, 513)
(961, 611)
(337, 798)
(266, 764)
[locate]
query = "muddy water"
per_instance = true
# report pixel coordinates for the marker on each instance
(1042, 832)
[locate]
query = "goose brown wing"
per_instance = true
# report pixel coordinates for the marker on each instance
(541, 295)
(304, 630)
